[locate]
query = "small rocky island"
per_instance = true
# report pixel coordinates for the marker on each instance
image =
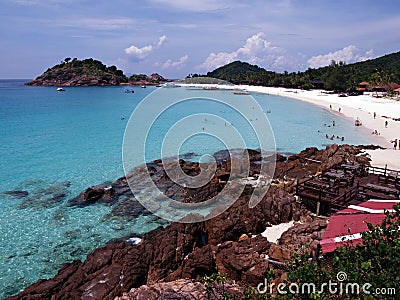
(90, 72)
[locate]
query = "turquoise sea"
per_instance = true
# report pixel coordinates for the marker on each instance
(55, 144)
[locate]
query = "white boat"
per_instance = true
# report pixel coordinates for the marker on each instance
(60, 90)
(170, 85)
(241, 93)
(143, 86)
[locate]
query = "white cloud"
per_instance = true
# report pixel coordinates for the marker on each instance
(97, 23)
(255, 50)
(215, 60)
(194, 5)
(161, 41)
(349, 54)
(144, 51)
(139, 52)
(169, 63)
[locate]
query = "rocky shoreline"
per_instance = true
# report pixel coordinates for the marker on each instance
(168, 259)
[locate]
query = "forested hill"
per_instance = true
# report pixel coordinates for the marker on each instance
(74, 72)
(336, 76)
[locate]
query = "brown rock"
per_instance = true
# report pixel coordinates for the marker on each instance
(279, 253)
(243, 237)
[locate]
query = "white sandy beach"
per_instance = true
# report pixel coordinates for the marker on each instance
(362, 107)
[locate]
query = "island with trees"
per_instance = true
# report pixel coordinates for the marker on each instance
(90, 72)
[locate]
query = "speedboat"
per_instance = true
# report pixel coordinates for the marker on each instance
(60, 90)
(143, 86)
(129, 91)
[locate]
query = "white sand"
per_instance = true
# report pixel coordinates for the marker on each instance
(362, 107)
(274, 232)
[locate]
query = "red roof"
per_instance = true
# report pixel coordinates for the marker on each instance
(347, 225)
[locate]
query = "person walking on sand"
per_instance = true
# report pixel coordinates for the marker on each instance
(386, 124)
(374, 115)
(395, 144)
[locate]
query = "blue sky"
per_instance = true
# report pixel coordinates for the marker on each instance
(175, 38)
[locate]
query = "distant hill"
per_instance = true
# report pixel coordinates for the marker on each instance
(87, 72)
(336, 76)
(241, 72)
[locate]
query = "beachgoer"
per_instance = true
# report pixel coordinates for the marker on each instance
(333, 123)
(330, 106)
(342, 138)
(326, 135)
(374, 115)
(395, 144)
(340, 109)
(386, 124)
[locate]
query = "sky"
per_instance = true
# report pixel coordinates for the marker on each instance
(177, 37)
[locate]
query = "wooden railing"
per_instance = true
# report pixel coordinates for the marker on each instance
(346, 196)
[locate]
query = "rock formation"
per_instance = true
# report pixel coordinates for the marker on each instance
(160, 265)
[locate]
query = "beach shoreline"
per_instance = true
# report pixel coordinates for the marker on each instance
(360, 107)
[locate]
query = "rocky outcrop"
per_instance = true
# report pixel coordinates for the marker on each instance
(182, 289)
(45, 197)
(230, 243)
(156, 77)
(305, 234)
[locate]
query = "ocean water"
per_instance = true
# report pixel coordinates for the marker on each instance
(56, 144)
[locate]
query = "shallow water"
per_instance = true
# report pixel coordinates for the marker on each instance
(55, 144)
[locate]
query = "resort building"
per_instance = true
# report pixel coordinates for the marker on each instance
(364, 87)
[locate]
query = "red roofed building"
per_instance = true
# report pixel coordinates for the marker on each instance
(346, 226)
(364, 87)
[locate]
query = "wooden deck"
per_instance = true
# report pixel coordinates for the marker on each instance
(348, 184)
